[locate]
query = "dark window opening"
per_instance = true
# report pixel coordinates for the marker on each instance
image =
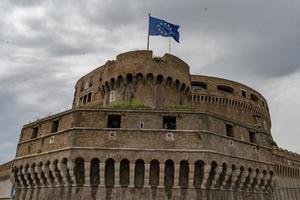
(34, 133)
(225, 88)
(84, 99)
(89, 97)
(55, 125)
(243, 93)
(252, 136)
(169, 122)
(229, 130)
(114, 121)
(199, 85)
(254, 97)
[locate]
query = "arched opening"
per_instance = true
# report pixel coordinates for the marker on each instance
(94, 172)
(222, 175)
(129, 78)
(212, 173)
(107, 89)
(120, 81)
(177, 84)
(182, 87)
(112, 84)
(139, 173)
(159, 79)
(169, 174)
(199, 85)
(109, 172)
(184, 174)
(57, 172)
(199, 173)
(225, 88)
(139, 78)
(149, 78)
(154, 173)
(169, 81)
(79, 171)
(124, 173)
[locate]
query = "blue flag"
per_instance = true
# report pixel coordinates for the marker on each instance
(163, 28)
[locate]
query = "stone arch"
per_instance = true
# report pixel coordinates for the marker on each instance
(222, 175)
(139, 173)
(212, 173)
(159, 79)
(184, 174)
(169, 174)
(79, 171)
(109, 172)
(199, 173)
(124, 173)
(120, 81)
(169, 81)
(177, 84)
(94, 172)
(112, 83)
(57, 172)
(150, 78)
(129, 79)
(106, 86)
(154, 173)
(139, 78)
(182, 87)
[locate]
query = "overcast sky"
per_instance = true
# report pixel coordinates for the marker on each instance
(45, 46)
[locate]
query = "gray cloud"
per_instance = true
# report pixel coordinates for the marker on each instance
(45, 46)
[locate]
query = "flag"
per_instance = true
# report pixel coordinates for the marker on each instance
(163, 28)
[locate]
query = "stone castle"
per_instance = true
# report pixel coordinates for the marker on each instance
(144, 128)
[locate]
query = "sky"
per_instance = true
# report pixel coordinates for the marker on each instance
(45, 46)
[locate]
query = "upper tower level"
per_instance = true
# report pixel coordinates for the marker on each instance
(136, 76)
(163, 82)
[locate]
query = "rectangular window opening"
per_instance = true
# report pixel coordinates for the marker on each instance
(114, 121)
(89, 97)
(243, 93)
(169, 122)
(34, 133)
(229, 130)
(252, 136)
(55, 125)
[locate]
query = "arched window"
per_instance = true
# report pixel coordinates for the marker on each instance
(139, 173)
(169, 174)
(154, 173)
(159, 79)
(184, 174)
(124, 173)
(109, 172)
(199, 173)
(94, 172)
(79, 171)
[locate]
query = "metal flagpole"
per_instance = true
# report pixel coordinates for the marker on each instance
(169, 45)
(148, 31)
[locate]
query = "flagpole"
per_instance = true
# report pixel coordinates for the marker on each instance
(148, 32)
(169, 45)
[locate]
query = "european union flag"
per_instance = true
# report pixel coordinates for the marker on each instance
(163, 28)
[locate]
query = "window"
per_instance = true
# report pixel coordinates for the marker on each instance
(34, 133)
(55, 125)
(114, 121)
(141, 124)
(225, 88)
(169, 122)
(252, 136)
(229, 130)
(199, 85)
(89, 97)
(244, 93)
(254, 97)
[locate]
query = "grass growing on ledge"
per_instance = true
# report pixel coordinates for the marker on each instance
(129, 105)
(177, 107)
